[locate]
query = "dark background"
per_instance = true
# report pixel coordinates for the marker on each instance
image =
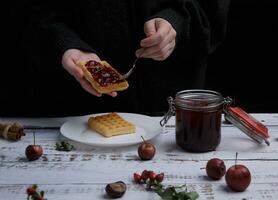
(243, 67)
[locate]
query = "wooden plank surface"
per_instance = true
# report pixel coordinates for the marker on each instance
(84, 172)
(266, 118)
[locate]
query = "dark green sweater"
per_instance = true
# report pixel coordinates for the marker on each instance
(113, 29)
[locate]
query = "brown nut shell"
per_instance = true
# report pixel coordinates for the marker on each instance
(116, 189)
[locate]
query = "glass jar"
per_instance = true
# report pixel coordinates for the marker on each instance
(198, 119)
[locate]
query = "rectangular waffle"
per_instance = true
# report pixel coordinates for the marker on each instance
(110, 125)
(103, 77)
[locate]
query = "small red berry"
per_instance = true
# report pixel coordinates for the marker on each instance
(36, 197)
(145, 175)
(152, 175)
(137, 177)
(159, 177)
(31, 191)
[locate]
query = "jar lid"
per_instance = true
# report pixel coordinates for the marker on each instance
(246, 123)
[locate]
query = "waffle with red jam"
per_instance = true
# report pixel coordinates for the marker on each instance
(103, 77)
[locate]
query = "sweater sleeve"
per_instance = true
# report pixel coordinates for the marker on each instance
(200, 24)
(54, 31)
(62, 38)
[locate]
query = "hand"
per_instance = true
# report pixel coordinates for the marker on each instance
(70, 60)
(160, 41)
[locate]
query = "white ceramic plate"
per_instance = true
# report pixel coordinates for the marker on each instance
(78, 130)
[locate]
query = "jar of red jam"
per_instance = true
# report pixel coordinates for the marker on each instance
(198, 119)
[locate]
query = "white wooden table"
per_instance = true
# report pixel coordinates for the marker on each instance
(84, 172)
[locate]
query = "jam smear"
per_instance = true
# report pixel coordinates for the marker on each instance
(102, 74)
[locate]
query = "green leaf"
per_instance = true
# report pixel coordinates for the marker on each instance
(34, 186)
(68, 147)
(187, 195)
(171, 192)
(63, 146)
(42, 193)
(192, 195)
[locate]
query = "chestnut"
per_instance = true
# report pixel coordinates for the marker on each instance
(215, 168)
(116, 189)
(33, 152)
(146, 151)
(238, 177)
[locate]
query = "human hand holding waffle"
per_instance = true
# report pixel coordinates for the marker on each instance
(102, 76)
(74, 61)
(98, 77)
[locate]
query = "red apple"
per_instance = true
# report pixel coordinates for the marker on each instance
(146, 151)
(215, 168)
(33, 152)
(238, 177)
